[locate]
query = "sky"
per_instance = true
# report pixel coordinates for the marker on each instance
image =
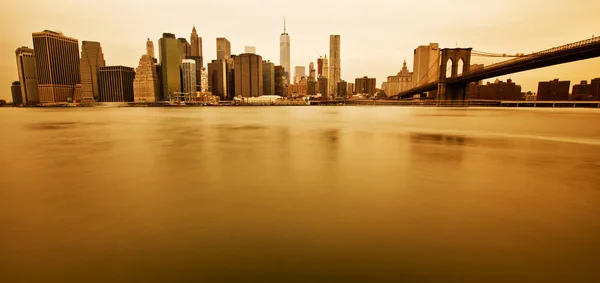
(376, 35)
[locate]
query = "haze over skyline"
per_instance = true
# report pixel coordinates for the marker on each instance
(375, 38)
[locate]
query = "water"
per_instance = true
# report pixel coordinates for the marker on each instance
(299, 194)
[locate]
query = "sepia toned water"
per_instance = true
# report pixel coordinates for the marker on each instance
(299, 194)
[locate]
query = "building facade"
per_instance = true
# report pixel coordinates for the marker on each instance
(365, 85)
(146, 85)
(248, 75)
(323, 86)
(217, 78)
(170, 62)
(299, 72)
(319, 66)
(196, 43)
(402, 81)
(281, 81)
(268, 71)
(342, 88)
(284, 52)
(250, 49)
(223, 48)
(498, 90)
(28, 79)
(188, 72)
(553, 90)
(335, 63)
(203, 80)
(57, 65)
(185, 47)
(92, 59)
(426, 64)
(116, 83)
(586, 91)
(311, 70)
(15, 91)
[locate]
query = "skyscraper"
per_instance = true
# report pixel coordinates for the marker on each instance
(116, 83)
(248, 75)
(325, 67)
(281, 81)
(311, 70)
(196, 43)
(426, 64)
(365, 85)
(323, 86)
(196, 55)
(299, 72)
(57, 64)
(335, 65)
(320, 66)
(27, 75)
(223, 48)
(268, 71)
(91, 60)
(170, 61)
(146, 85)
(217, 78)
(150, 48)
(284, 51)
(15, 90)
(188, 71)
(186, 48)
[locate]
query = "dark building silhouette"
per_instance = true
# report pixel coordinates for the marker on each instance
(280, 81)
(248, 69)
(585, 91)
(27, 75)
(311, 86)
(342, 88)
(15, 90)
(170, 62)
(498, 90)
(57, 64)
(319, 67)
(92, 59)
(185, 47)
(323, 86)
(365, 85)
(217, 78)
(553, 90)
(268, 71)
(116, 83)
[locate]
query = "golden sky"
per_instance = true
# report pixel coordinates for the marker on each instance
(376, 35)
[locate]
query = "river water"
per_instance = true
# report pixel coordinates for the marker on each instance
(299, 194)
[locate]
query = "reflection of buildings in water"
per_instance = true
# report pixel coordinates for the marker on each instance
(446, 148)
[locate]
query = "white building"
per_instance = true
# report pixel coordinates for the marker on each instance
(188, 71)
(284, 52)
(250, 49)
(146, 84)
(400, 82)
(204, 80)
(426, 65)
(299, 72)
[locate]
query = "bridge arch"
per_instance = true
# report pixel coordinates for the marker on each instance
(460, 67)
(449, 66)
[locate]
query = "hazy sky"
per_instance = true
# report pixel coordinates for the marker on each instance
(376, 35)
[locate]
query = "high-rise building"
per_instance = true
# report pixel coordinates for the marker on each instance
(335, 63)
(92, 59)
(553, 90)
(311, 71)
(342, 88)
(299, 72)
(365, 85)
(323, 86)
(350, 88)
(57, 64)
(281, 81)
(146, 85)
(402, 81)
(188, 72)
(217, 78)
(204, 80)
(250, 49)
(320, 66)
(196, 43)
(223, 48)
(150, 48)
(284, 51)
(116, 83)
(426, 64)
(587, 91)
(248, 75)
(185, 47)
(268, 71)
(170, 62)
(311, 86)
(27, 75)
(15, 90)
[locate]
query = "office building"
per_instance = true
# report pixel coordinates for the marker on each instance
(299, 72)
(146, 85)
(402, 81)
(311, 86)
(204, 80)
(320, 66)
(57, 65)
(284, 52)
(223, 48)
(268, 71)
(350, 89)
(170, 62)
(311, 71)
(365, 85)
(250, 49)
(116, 83)
(553, 90)
(335, 63)
(28, 78)
(426, 64)
(15, 90)
(586, 91)
(323, 86)
(185, 47)
(342, 89)
(188, 72)
(92, 59)
(248, 75)
(196, 43)
(217, 78)
(281, 81)
(498, 90)
(595, 89)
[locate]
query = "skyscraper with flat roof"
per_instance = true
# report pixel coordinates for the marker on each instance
(299, 72)
(223, 48)
(426, 64)
(268, 71)
(15, 90)
(248, 75)
(116, 83)
(57, 64)
(170, 61)
(188, 72)
(91, 60)
(284, 51)
(217, 78)
(335, 63)
(27, 75)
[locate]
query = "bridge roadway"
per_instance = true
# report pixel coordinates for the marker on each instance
(572, 52)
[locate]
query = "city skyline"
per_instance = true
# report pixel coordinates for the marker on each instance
(367, 48)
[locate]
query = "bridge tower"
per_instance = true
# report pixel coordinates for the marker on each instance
(448, 92)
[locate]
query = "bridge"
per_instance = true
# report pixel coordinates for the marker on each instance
(453, 88)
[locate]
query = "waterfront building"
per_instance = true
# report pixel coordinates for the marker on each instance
(28, 78)
(146, 85)
(248, 75)
(268, 71)
(311, 71)
(196, 43)
(281, 81)
(342, 88)
(170, 62)
(188, 72)
(204, 80)
(15, 90)
(320, 66)
(57, 65)
(217, 78)
(150, 48)
(116, 83)
(498, 90)
(365, 85)
(402, 81)
(323, 86)
(586, 91)
(426, 64)
(185, 47)
(92, 59)
(350, 89)
(553, 90)
(335, 63)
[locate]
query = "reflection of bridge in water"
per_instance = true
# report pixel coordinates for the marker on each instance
(453, 88)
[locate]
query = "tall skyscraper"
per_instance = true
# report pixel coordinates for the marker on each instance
(217, 78)
(248, 75)
(284, 51)
(116, 83)
(57, 64)
(335, 64)
(196, 43)
(268, 71)
(281, 81)
(426, 64)
(553, 90)
(299, 72)
(203, 80)
(15, 90)
(27, 75)
(250, 49)
(150, 48)
(223, 48)
(320, 66)
(325, 67)
(146, 85)
(91, 60)
(311, 70)
(323, 86)
(365, 85)
(186, 48)
(170, 61)
(188, 71)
